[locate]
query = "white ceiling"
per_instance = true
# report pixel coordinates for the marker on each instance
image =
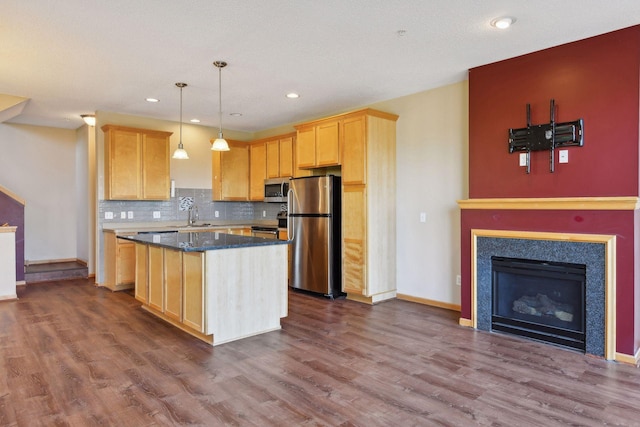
(74, 57)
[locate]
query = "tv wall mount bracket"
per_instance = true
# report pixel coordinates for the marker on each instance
(548, 136)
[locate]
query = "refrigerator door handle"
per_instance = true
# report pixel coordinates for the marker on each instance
(290, 206)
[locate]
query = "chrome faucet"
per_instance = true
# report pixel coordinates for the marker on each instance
(192, 218)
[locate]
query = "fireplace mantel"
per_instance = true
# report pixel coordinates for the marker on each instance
(557, 203)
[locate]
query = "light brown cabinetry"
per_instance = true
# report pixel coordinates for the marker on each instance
(120, 261)
(280, 156)
(318, 144)
(136, 163)
(257, 170)
(193, 290)
(142, 287)
(155, 278)
(230, 177)
(368, 141)
(173, 284)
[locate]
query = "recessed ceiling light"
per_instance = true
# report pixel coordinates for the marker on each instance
(195, 120)
(503, 22)
(152, 100)
(293, 95)
(235, 114)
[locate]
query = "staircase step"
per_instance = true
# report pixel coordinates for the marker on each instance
(55, 271)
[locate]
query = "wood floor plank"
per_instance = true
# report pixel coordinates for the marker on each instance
(77, 355)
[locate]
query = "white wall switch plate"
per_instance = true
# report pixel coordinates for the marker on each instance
(458, 280)
(108, 215)
(156, 214)
(264, 214)
(523, 159)
(130, 214)
(216, 214)
(563, 156)
(423, 217)
(123, 215)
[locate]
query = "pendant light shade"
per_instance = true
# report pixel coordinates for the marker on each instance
(180, 153)
(220, 144)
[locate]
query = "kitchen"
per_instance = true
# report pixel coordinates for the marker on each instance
(360, 145)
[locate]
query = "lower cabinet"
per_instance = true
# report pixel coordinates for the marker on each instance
(155, 278)
(171, 282)
(193, 290)
(142, 259)
(120, 262)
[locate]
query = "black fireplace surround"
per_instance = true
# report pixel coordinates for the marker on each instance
(540, 300)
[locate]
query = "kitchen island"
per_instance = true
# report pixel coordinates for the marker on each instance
(217, 287)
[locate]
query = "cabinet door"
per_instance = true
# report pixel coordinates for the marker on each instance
(273, 159)
(258, 170)
(354, 161)
(156, 270)
(142, 289)
(173, 284)
(231, 173)
(286, 157)
(306, 148)
(123, 164)
(328, 144)
(354, 229)
(193, 290)
(155, 166)
(126, 262)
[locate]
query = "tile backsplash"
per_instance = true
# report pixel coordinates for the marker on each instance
(176, 208)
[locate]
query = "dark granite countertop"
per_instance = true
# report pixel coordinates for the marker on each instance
(201, 241)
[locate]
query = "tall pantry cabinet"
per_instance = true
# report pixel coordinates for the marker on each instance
(369, 205)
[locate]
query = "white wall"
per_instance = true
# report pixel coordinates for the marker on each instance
(38, 164)
(86, 196)
(432, 164)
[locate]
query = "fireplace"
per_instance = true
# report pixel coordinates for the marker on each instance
(594, 252)
(541, 300)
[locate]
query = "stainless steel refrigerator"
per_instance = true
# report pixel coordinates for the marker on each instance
(314, 205)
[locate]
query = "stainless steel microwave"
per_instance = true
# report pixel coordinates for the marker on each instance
(276, 189)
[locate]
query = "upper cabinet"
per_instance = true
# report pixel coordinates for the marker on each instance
(280, 156)
(230, 177)
(318, 144)
(136, 163)
(257, 170)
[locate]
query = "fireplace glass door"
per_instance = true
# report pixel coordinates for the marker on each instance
(540, 300)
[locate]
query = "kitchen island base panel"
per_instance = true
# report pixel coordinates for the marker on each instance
(247, 291)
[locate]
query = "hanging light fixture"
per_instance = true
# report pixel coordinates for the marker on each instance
(220, 144)
(180, 152)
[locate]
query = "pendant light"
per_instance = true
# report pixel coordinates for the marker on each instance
(220, 144)
(180, 152)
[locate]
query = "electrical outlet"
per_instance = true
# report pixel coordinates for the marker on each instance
(216, 214)
(458, 280)
(130, 214)
(563, 156)
(123, 215)
(264, 214)
(423, 217)
(156, 214)
(108, 215)
(523, 159)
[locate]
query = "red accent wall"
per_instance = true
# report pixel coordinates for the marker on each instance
(598, 80)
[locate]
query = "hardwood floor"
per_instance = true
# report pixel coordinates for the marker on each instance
(73, 354)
